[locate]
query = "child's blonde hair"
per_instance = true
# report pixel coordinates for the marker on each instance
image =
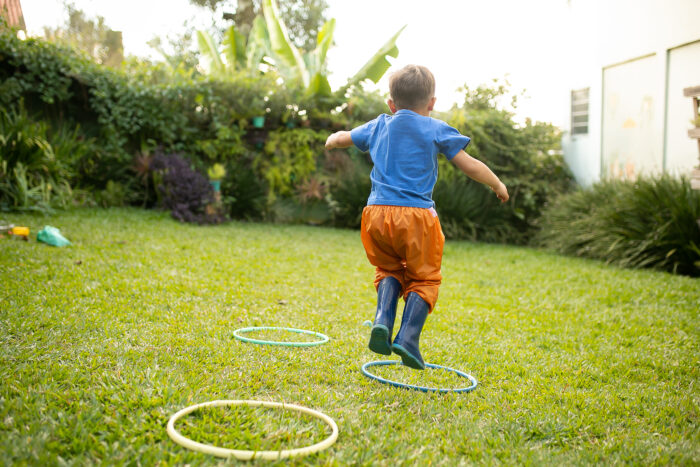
(411, 87)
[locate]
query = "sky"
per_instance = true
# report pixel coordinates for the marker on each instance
(461, 41)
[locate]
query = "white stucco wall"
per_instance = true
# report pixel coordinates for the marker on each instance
(632, 124)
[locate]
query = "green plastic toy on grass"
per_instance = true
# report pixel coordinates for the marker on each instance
(52, 236)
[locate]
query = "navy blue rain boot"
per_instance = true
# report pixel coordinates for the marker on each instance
(388, 293)
(406, 343)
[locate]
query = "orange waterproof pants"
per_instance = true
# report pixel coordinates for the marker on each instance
(405, 243)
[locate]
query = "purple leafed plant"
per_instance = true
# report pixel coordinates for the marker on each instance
(182, 190)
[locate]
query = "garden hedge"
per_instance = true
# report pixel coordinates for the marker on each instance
(278, 172)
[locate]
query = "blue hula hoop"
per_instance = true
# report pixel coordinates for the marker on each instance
(419, 388)
(324, 338)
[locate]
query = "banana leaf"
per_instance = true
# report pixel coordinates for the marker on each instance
(375, 68)
(287, 57)
(323, 43)
(319, 85)
(234, 45)
(208, 49)
(258, 43)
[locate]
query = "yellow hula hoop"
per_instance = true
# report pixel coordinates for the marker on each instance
(248, 455)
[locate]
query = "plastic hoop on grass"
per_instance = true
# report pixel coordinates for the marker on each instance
(419, 388)
(324, 338)
(247, 455)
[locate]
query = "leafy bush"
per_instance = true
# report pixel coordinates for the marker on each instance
(469, 210)
(244, 191)
(348, 196)
(651, 222)
(204, 118)
(35, 171)
(124, 111)
(291, 159)
(114, 195)
(183, 191)
(525, 157)
(363, 106)
(208, 120)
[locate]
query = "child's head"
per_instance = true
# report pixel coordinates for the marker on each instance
(412, 87)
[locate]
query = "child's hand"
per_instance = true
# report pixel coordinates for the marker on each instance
(331, 141)
(501, 191)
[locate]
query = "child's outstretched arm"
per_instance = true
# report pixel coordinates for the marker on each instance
(477, 170)
(340, 139)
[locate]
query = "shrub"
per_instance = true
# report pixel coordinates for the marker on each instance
(348, 196)
(650, 222)
(183, 191)
(469, 210)
(244, 191)
(290, 159)
(114, 195)
(525, 157)
(364, 105)
(203, 118)
(35, 170)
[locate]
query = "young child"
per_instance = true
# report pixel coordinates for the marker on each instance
(401, 232)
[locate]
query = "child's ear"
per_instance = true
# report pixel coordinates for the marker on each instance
(391, 105)
(431, 104)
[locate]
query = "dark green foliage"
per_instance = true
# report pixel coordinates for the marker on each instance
(206, 119)
(123, 112)
(244, 191)
(114, 194)
(291, 158)
(651, 222)
(67, 89)
(469, 210)
(32, 67)
(364, 106)
(36, 162)
(349, 195)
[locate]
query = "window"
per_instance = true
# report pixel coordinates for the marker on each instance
(579, 111)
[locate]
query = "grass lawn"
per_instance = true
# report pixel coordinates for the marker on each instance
(101, 342)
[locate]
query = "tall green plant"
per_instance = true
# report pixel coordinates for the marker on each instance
(236, 52)
(311, 69)
(376, 66)
(209, 49)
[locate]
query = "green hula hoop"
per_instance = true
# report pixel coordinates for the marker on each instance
(324, 338)
(248, 455)
(469, 377)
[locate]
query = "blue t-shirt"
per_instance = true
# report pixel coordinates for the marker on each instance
(404, 149)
